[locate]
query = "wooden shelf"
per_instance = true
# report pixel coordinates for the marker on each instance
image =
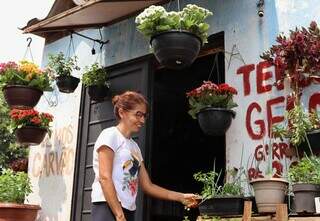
(280, 215)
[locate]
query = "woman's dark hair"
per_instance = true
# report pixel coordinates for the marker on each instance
(127, 101)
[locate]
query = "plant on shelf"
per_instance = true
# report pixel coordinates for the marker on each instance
(296, 59)
(14, 187)
(62, 67)
(30, 126)
(95, 78)
(23, 83)
(305, 180)
(211, 104)
(226, 199)
(176, 37)
(301, 129)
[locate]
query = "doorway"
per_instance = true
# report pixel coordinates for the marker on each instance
(179, 147)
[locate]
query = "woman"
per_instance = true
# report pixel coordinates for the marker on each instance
(119, 167)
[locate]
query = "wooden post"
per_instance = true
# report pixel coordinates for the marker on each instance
(282, 212)
(247, 211)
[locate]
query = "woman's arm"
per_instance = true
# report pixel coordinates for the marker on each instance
(189, 200)
(105, 157)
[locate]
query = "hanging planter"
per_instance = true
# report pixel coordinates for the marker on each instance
(176, 49)
(21, 97)
(67, 84)
(23, 83)
(95, 79)
(211, 104)
(215, 121)
(62, 67)
(176, 37)
(98, 93)
(30, 135)
(30, 126)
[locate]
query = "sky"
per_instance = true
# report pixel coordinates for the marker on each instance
(15, 14)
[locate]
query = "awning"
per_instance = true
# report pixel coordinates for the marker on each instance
(94, 13)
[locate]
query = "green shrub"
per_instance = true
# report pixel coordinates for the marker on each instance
(14, 187)
(95, 75)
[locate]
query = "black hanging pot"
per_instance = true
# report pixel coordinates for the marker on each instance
(215, 121)
(98, 92)
(176, 49)
(67, 84)
(21, 97)
(30, 135)
(222, 206)
(313, 138)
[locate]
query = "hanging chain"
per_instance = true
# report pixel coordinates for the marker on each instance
(28, 49)
(215, 64)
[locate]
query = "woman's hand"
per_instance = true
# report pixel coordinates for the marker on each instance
(190, 200)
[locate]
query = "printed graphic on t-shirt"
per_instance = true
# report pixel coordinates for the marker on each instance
(131, 168)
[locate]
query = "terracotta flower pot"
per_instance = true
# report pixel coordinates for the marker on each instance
(21, 97)
(30, 135)
(268, 193)
(67, 84)
(14, 212)
(215, 121)
(176, 49)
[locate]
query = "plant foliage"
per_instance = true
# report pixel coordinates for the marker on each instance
(307, 170)
(95, 75)
(211, 95)
(61, 65)
(156, 19)
(14, 187)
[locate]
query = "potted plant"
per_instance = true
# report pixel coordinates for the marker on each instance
(95, 79)
(176, 37)
(305, 180)
(270, 190)
(14, 187)
(217, 200)
(62, 67)
(30, 126)
(211, 104)
(296, 59)
(23, 84)
(302, 129)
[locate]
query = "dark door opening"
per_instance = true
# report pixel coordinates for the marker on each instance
(180, 148)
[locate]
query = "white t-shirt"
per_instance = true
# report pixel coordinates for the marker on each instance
(126, 164)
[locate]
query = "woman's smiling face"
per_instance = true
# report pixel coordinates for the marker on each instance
(134, 119)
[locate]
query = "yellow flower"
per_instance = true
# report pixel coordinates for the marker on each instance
(29, 68)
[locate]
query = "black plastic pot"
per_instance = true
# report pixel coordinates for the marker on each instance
(304, 195)
(67, 84)
(215, 121)
(30, 135)
(176, 49)
(220, 206)
(21, 97)
(314, 140)
(98, 93)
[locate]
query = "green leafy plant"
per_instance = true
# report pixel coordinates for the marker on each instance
(212, 189)
(156, 19)
(14, 187)
(25, 73)
(95, 75)
(9, 151)
(211, 95)
(298, 124)
(61, 65)
(307, 170)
